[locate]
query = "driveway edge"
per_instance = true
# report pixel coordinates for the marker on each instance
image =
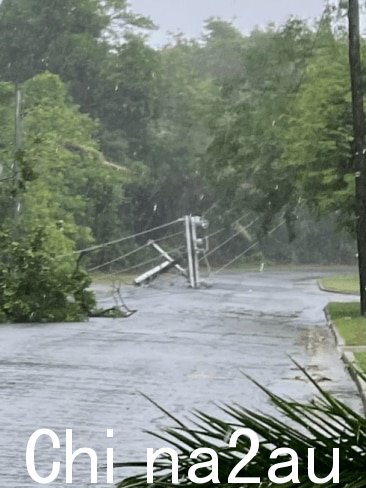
(348, 358)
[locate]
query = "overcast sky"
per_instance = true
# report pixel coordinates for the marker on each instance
(188, 16)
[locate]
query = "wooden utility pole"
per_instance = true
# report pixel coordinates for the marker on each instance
(192, 258)
(18, 150)
(359, 149)
(195, 247)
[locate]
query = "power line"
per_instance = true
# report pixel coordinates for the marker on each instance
(135, 266)
(128, 254)
(224, 228)
(149, 261)
(229, 239)
(205, 255)
(183, 292)
(255, 244)
(215, 233)
(222, 244)
(170, 236)
(213, 206)
(139, 265)
(124, 256)
(123, 239)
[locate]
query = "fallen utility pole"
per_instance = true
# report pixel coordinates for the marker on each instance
(161, 268)
(195, 247)
(359, 150)
(167, 257)
(154, 273)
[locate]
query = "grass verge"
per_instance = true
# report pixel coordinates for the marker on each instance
(361, 360)
(341, 284)
(351, 326)
(109, 279)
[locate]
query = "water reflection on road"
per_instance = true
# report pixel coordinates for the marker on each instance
(186, 349)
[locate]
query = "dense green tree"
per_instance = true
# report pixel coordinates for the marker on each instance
(40, 281)
(242, 160)
(69, 38)
(179, 136)
(69, 195)
(128, 99)
(70, 179)
(222, 57)
(7, 146)
(41, 36)
(317, 134)
(219, 120)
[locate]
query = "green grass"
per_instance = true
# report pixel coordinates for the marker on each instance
(361, 360)
(341, 284)
(351, 326)
(105, 278)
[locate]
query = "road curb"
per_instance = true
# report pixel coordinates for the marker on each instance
(340, 342)
(348, 358)
(351, 363)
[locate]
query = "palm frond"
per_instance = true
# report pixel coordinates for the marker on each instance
(323, 424)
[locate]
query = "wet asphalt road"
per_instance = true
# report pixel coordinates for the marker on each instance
(185, 349)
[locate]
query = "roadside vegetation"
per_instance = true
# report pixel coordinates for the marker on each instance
(342, 284)
(108, 278)
(361, 360)
(346, 316)
(348, 321)
(324, 424)
(352, 327)
(116, 137)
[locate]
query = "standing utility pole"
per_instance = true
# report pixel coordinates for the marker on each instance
(191, 255)
(359, 155)
(18, 151)
(195, 247)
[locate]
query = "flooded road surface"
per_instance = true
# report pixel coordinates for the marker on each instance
(185, 349)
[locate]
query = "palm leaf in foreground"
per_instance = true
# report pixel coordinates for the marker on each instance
(323, 424)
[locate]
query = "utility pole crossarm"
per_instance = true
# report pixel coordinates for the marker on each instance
(168, 257)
